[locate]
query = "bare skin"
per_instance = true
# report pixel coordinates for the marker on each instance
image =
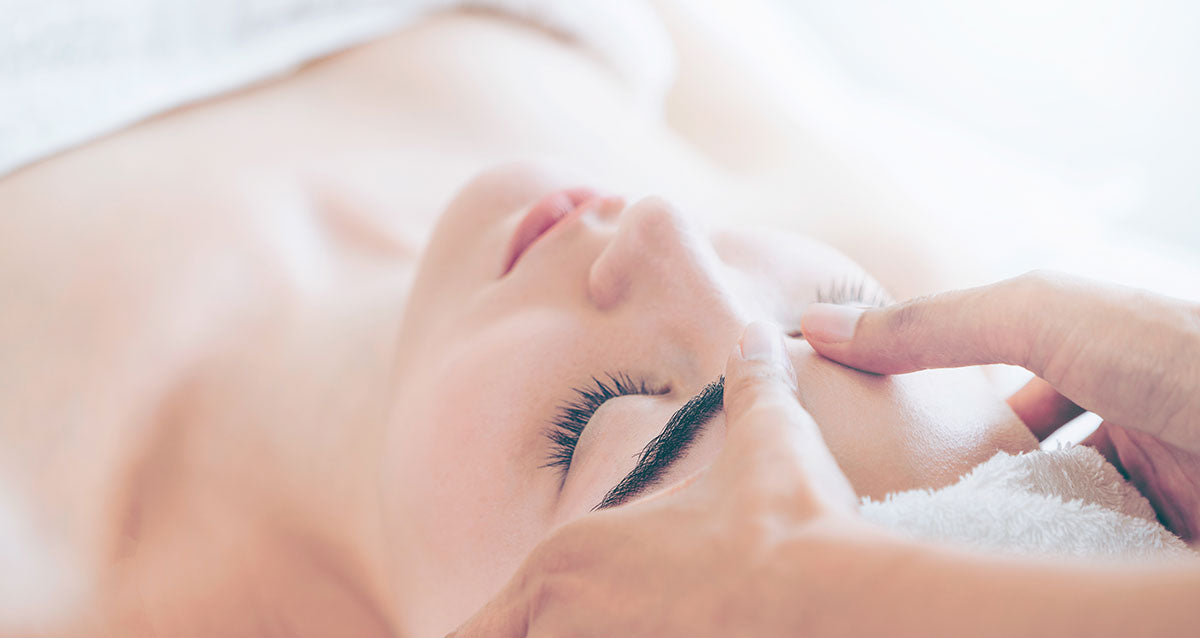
(639, 290)
(1126, 354)
(218, 290)
(170, 297)
(777, 495)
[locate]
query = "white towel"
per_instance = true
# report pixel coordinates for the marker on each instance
(72, 70)
(1064, 502)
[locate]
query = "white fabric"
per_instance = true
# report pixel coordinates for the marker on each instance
(1065, 502)
(72, 70)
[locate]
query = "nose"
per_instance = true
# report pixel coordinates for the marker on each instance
(659, 257)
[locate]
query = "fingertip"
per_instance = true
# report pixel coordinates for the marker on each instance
(761, 352)
(762, 341)
(759, 370)
(773, 445)
(853, 337)
(830, 330)
(830, 323)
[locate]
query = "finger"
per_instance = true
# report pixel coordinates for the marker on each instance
(1042, 408)
(1100, 440)
(505, 616)
(1125, 354)
(771, 441)
(951, 329)
(1165, 475)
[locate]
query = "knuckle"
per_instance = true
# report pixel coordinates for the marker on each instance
(771, 407)
(1040, 284)
(1031, 276)
(1031, 289)
(905, 326)
(769, 424)
(1171, 379)
(1026, 340)
(1030, 286)
(1039, 280)
(754, 374)
(1192, 310)
(743, 383)
(907, 317)
(752, 387)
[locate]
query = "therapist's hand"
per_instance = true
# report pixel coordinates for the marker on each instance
(1130, 356)
(707, 557)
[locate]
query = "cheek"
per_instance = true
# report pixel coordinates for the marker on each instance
(465, 509)
(960, 420)
(920, 430)
(467, 497)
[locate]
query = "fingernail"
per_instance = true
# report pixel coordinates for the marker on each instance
(762, 341)
(831, 323)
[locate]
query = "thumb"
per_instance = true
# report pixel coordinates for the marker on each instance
(1126, 354)
(505, 616)
(946, 330)
(772, 445)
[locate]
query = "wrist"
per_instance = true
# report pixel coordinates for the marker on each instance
(848, 578)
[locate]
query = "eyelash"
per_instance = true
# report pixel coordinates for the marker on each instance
(859, 290)
(573, 415)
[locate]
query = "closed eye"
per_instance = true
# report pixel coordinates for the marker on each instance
(574, 415)
(860, 290)
(669, 446)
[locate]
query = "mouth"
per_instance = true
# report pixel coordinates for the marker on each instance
(544, 215)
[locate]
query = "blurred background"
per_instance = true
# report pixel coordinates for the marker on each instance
(1027, 133)
(1076, 110)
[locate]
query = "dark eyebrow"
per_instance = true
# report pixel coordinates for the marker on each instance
(669, 445)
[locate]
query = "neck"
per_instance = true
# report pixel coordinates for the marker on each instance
(262, 510)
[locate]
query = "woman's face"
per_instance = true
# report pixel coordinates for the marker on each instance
(485, 454)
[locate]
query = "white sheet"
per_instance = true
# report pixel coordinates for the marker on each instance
(72, 70)
(1065, 502)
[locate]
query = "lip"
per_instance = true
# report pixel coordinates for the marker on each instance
(542, 216)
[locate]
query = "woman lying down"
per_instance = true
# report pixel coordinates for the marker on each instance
(228, 408)
(592, 350)
(561, 352)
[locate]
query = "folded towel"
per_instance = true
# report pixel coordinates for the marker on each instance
(1064, 502)
(72, 70)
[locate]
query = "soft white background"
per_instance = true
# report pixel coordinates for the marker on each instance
(1082, 115)
(1080, 118)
